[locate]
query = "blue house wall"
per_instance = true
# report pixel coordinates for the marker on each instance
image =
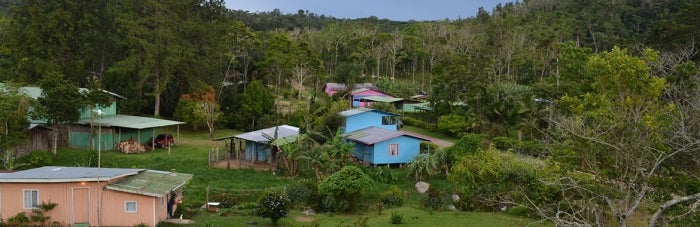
(256, 150)
(377, 154)
(366, 119)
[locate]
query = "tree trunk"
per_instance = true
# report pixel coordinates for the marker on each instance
(54, 146)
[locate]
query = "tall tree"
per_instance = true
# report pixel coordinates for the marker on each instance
(617, 134)
(61, 103)
(15, 112)
(257, 102)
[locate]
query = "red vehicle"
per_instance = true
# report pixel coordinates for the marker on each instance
(163, 140)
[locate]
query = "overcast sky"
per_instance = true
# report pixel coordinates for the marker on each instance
(399, 10)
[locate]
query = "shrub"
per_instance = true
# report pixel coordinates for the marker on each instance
(526, 147)
(90, 158)
(225, 200)
(344, 187)
(467, 144)
(432, 199)
(40, 158)
(393, 197)
(18, 220)
(383, 175)
(427, 147)
(299, 195)
(396, 218)
(417, 123)
(274, 206)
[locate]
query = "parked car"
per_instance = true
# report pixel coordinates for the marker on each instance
(163, 140)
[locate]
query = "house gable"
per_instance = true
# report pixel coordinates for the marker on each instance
(356, 119)
(376, 145)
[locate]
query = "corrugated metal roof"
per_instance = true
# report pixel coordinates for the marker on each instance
(360, 110)
(151, 183)
(126, 121)
(381, 99)
(35, 92)
(54, 174)
(372, 135)
(285, 134)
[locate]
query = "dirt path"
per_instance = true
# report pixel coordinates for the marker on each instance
(439, 142)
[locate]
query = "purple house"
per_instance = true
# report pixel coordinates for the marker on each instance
(376, 138)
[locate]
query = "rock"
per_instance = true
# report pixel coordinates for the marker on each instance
(451, 207)
(455, 198)
(503, 208)
(310, 212)
(422, 187)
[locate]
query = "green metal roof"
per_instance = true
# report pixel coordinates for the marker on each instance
(126, 121)
(152, 183)
(382, 99)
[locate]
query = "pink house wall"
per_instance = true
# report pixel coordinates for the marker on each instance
(150, 210)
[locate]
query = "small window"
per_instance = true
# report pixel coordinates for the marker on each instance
(130, 206)
(393, 149)
(31, 199)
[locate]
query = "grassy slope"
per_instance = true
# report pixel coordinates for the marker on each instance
(190, 156)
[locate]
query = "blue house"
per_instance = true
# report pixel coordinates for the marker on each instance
(256, 142)
(359, 118)
(377, 139)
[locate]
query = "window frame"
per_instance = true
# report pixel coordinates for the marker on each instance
(126, 206)
(35, 198)
(394, 149)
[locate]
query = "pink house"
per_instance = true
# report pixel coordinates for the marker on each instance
(93, 196)
(359, 95)
(332, 88)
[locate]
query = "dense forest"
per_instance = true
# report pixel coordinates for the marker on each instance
(605, 92)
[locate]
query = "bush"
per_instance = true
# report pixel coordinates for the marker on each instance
(343, 189)
(531, 148)
(18, 220)
(274, 206)
(299, 195)
(432, 199)
(225, 200)
(90, 158)
(383, 175)
(40, 158)
(417, 123)
(393, 197)
(396, 218)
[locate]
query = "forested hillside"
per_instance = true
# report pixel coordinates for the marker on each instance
(606, 90)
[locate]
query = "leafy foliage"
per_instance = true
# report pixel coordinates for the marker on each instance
(392, 197)
(344, 188)
(274, 206)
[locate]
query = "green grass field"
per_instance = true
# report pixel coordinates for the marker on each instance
(190, 156)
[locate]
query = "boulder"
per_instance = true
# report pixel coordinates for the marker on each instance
(422, 187)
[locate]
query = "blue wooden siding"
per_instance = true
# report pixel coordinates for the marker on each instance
(409, 148)
(363, 152)
(256, 150)
(366, 119)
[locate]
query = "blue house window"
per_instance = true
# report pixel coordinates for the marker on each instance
(394, 149)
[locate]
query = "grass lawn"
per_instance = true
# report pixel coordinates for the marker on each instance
(435, 135)
(191, 154)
